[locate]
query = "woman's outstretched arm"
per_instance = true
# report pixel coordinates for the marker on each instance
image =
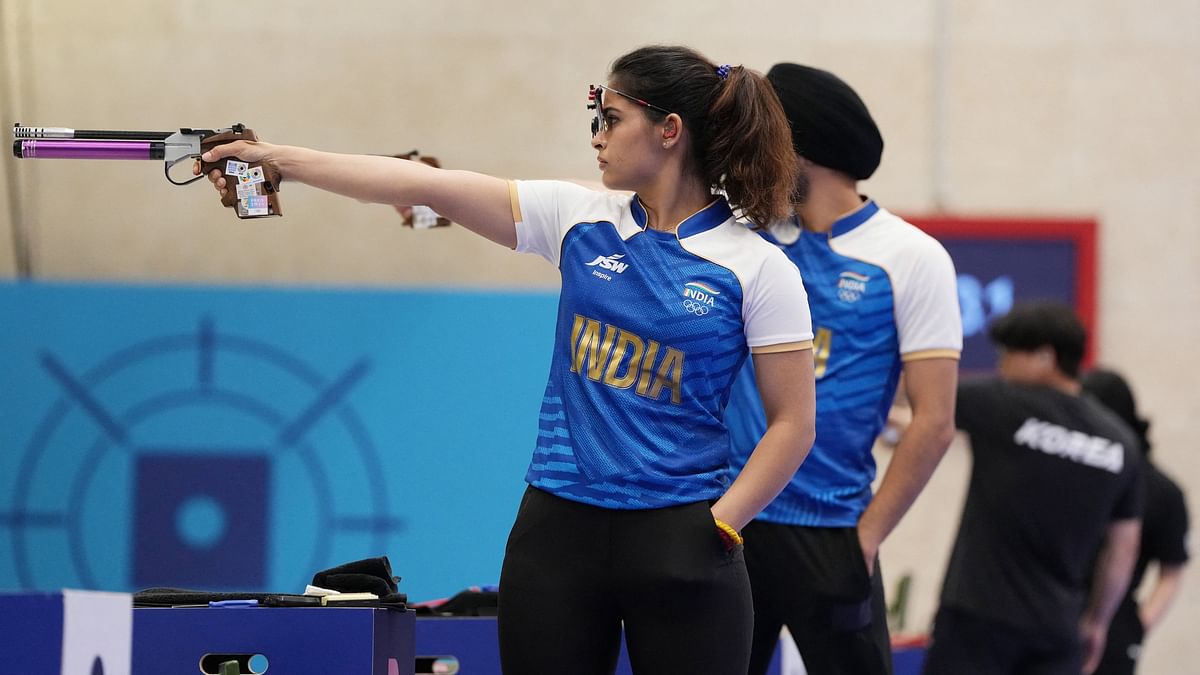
(476, 201)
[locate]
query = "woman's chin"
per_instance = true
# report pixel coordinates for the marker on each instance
(610, 181)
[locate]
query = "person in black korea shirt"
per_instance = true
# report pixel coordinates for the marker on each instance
(1049, 531)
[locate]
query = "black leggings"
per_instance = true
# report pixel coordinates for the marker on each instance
(574, 574)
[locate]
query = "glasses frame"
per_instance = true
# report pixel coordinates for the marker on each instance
(596, 104)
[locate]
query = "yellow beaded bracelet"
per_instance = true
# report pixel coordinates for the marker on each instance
(729, 531)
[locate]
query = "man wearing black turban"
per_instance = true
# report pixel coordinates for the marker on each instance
(831, 125)
(884, 300)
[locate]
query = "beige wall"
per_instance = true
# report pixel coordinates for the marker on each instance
(1069, 108)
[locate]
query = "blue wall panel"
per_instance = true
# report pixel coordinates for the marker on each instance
(242, 439)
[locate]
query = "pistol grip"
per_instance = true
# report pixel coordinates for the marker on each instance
(252, 189)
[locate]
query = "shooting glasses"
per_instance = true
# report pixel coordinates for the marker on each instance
(596, 104)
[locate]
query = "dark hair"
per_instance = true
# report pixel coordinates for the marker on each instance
(1113, 391)
(741, 142)
(1043, 324)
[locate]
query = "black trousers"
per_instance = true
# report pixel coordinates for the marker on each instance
(965, 643)
(814, 581)
(574, 574)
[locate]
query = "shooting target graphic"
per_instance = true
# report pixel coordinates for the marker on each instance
(203, 459)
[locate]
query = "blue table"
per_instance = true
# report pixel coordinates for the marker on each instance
(294, 640)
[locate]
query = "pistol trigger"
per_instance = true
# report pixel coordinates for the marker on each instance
(167, 170)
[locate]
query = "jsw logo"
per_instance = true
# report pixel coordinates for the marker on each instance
(611, 262)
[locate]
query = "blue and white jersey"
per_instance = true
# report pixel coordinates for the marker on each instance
(881, 292)
(653, 327)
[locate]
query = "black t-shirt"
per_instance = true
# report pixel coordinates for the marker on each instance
(1164, 524)
(1051, 472)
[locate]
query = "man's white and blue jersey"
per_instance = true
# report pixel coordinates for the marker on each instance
(653, 327)
(881, 293)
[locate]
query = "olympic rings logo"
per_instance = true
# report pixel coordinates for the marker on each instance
(697, 308)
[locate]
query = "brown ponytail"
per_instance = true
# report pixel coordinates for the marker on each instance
(741, 141)
(750, 147)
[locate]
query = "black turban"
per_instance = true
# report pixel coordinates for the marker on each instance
(830, 123)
